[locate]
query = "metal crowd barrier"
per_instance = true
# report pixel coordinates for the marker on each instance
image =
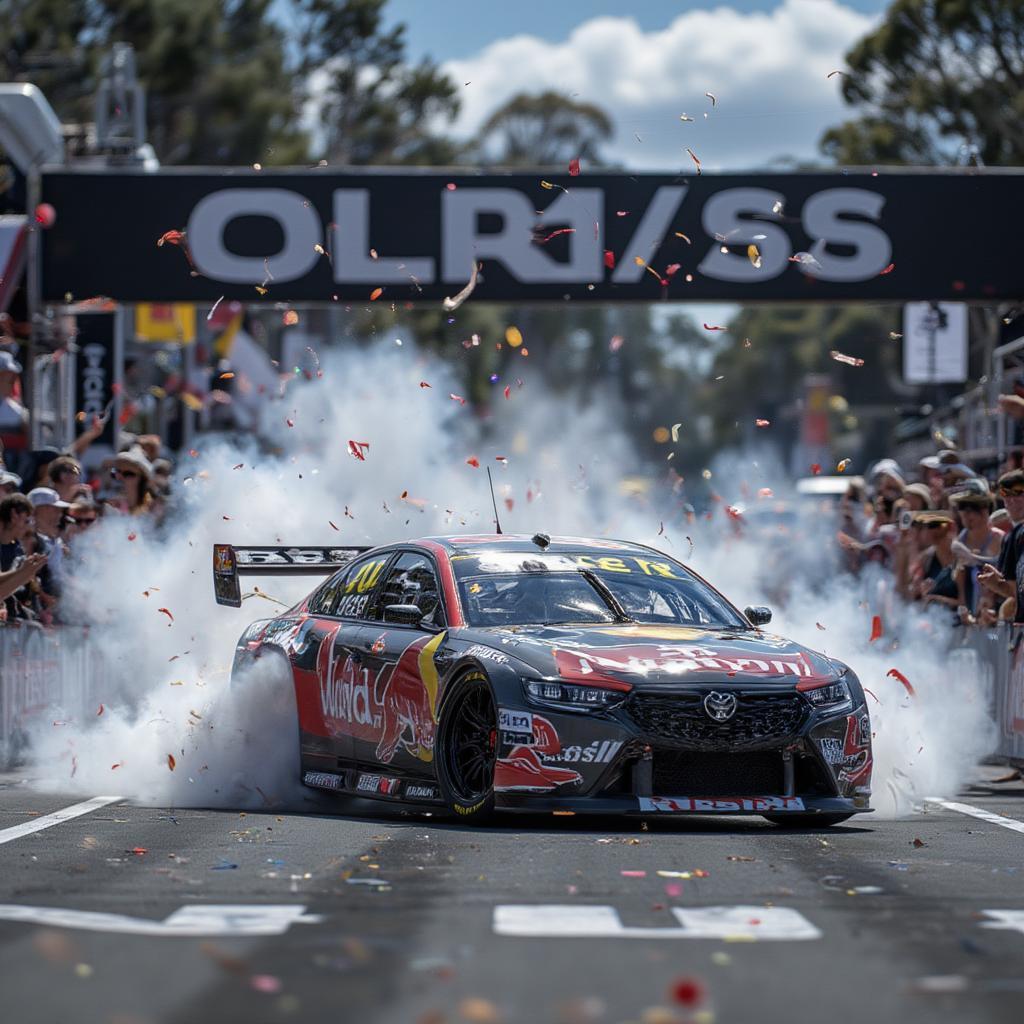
(46, 676)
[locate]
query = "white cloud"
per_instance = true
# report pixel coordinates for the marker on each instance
(767, 70)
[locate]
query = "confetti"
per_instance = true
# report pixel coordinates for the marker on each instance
(711, 96)
(331, 525)
(820, 626)
(513, 336)
(675, 431)
(804, 258)
(574, 166)
(685, 117)
(754, 255)
(376, 294)
(171, 762)
(167, 612)
(685, 238)
(508, 392)
(709, 327)
(609, 259)
(694, 158)
(616, 342)
(816, 469)
(213, 308)
(876, 628)
(895, 673)
(762, 423)
(358, 450)
(101, 710)
(473, 461)
(832, 74)
(457, 398)
(839, 357)
(888, 270)
(895, 336)
(842, 464)
(688, 992)
(451, 304)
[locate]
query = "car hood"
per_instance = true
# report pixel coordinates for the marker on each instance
(660, 656)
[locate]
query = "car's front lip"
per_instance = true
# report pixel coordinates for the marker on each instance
(675, 805)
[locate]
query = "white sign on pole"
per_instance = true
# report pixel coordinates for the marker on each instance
(934, 343)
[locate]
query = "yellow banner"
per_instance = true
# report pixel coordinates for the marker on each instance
(165, 321)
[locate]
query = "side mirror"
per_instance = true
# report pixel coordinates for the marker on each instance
(759, 615)
(407, 614)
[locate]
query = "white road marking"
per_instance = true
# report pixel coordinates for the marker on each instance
(189, 921)
(1012, 920)
(48, 820)
(978, 812)
(566, 921)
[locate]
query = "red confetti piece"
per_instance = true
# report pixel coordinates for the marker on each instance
(622, 213)
(132, 536)
(694, 158)
(503, 459)
(114, 767)
(331, 525)
(290, 318)
(555, 234)
(688, 992)
(171, 763)
(839, 357)
(815, 468)
(609, 259)
(241, 465)
(508, 391)
(424, 384)
(867, 691)
(167, 612)
(897, 674)
(574, 166)
(457, 398)
(473, 461)
(832, 73)
(226, 519)
(888, 270)
(101, 710)
(672, 269)
(358, 449)
(376, 294)
(876, 628)
(510, 504)
(763, 423)
(820, 626)
(291, 423)
(171, 238)
(139, 851)
(709, 327)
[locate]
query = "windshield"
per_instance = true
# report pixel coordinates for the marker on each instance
(601, 589)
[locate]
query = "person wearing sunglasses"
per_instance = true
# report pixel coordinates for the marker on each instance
(132, 472)
(934, 579)
(1006, 577)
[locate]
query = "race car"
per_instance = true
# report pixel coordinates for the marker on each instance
(565, 675)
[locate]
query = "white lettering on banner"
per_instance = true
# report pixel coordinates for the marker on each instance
(572, 921)
(871, 245)
(721, 217)
(463, 242)
(652, 230)
(351, 247)
(721, 805)
(727, 214)
(94, 380)
(190, 921)
(296, 217)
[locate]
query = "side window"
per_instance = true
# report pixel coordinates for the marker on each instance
(412, 580)
(356, 588)
(323, 600)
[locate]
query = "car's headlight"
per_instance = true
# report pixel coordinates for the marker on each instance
(831, 696)
(573, 696)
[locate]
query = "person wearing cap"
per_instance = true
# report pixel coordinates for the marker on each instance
(933, 577)
(10, 483)
(1006, 577)
(133, 471)
(977, 543)
(49, 516)
(886, 478)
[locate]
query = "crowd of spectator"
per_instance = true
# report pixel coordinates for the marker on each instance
(47, 507)
(941, 535)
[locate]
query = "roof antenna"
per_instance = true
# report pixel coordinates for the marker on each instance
(490, 482)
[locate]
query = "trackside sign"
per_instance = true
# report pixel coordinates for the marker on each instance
(329, 236)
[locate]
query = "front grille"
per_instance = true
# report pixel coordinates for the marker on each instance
(679, 719)
(682, 773)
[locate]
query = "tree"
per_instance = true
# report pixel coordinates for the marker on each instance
(937, 82)
(546, 130)
(373, 107)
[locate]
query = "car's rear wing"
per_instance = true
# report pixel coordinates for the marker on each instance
(230, 562)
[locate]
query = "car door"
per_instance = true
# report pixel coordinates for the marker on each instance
(400, 655)
(335, 699)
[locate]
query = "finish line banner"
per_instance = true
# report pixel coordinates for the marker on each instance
(402, 235)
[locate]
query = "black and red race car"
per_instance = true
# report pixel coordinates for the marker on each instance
(552, 674)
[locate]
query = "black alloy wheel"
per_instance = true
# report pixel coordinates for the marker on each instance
(467, 748)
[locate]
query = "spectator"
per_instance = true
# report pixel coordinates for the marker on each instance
(82, 514)
(10, 483)
(1006, 577)
(933, 580)
(918, 497)
(49, 516)
(150, 445)
(13, 415)
(977, 538)
(65, 477)
(886, 478)
(132, 471)
(16, 571)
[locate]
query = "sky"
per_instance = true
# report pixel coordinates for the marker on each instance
(765, 61)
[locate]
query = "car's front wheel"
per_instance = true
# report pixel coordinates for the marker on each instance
(466, 748)
(806, 820)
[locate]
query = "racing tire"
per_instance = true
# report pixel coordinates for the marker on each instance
(466, 748)
(806, 820)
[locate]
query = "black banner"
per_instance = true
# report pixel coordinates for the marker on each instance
(98, 374)
(400, 235)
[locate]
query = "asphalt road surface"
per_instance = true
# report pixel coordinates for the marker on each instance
(125, 914)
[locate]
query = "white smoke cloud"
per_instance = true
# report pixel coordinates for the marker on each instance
(556, 469)
(767, 70)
